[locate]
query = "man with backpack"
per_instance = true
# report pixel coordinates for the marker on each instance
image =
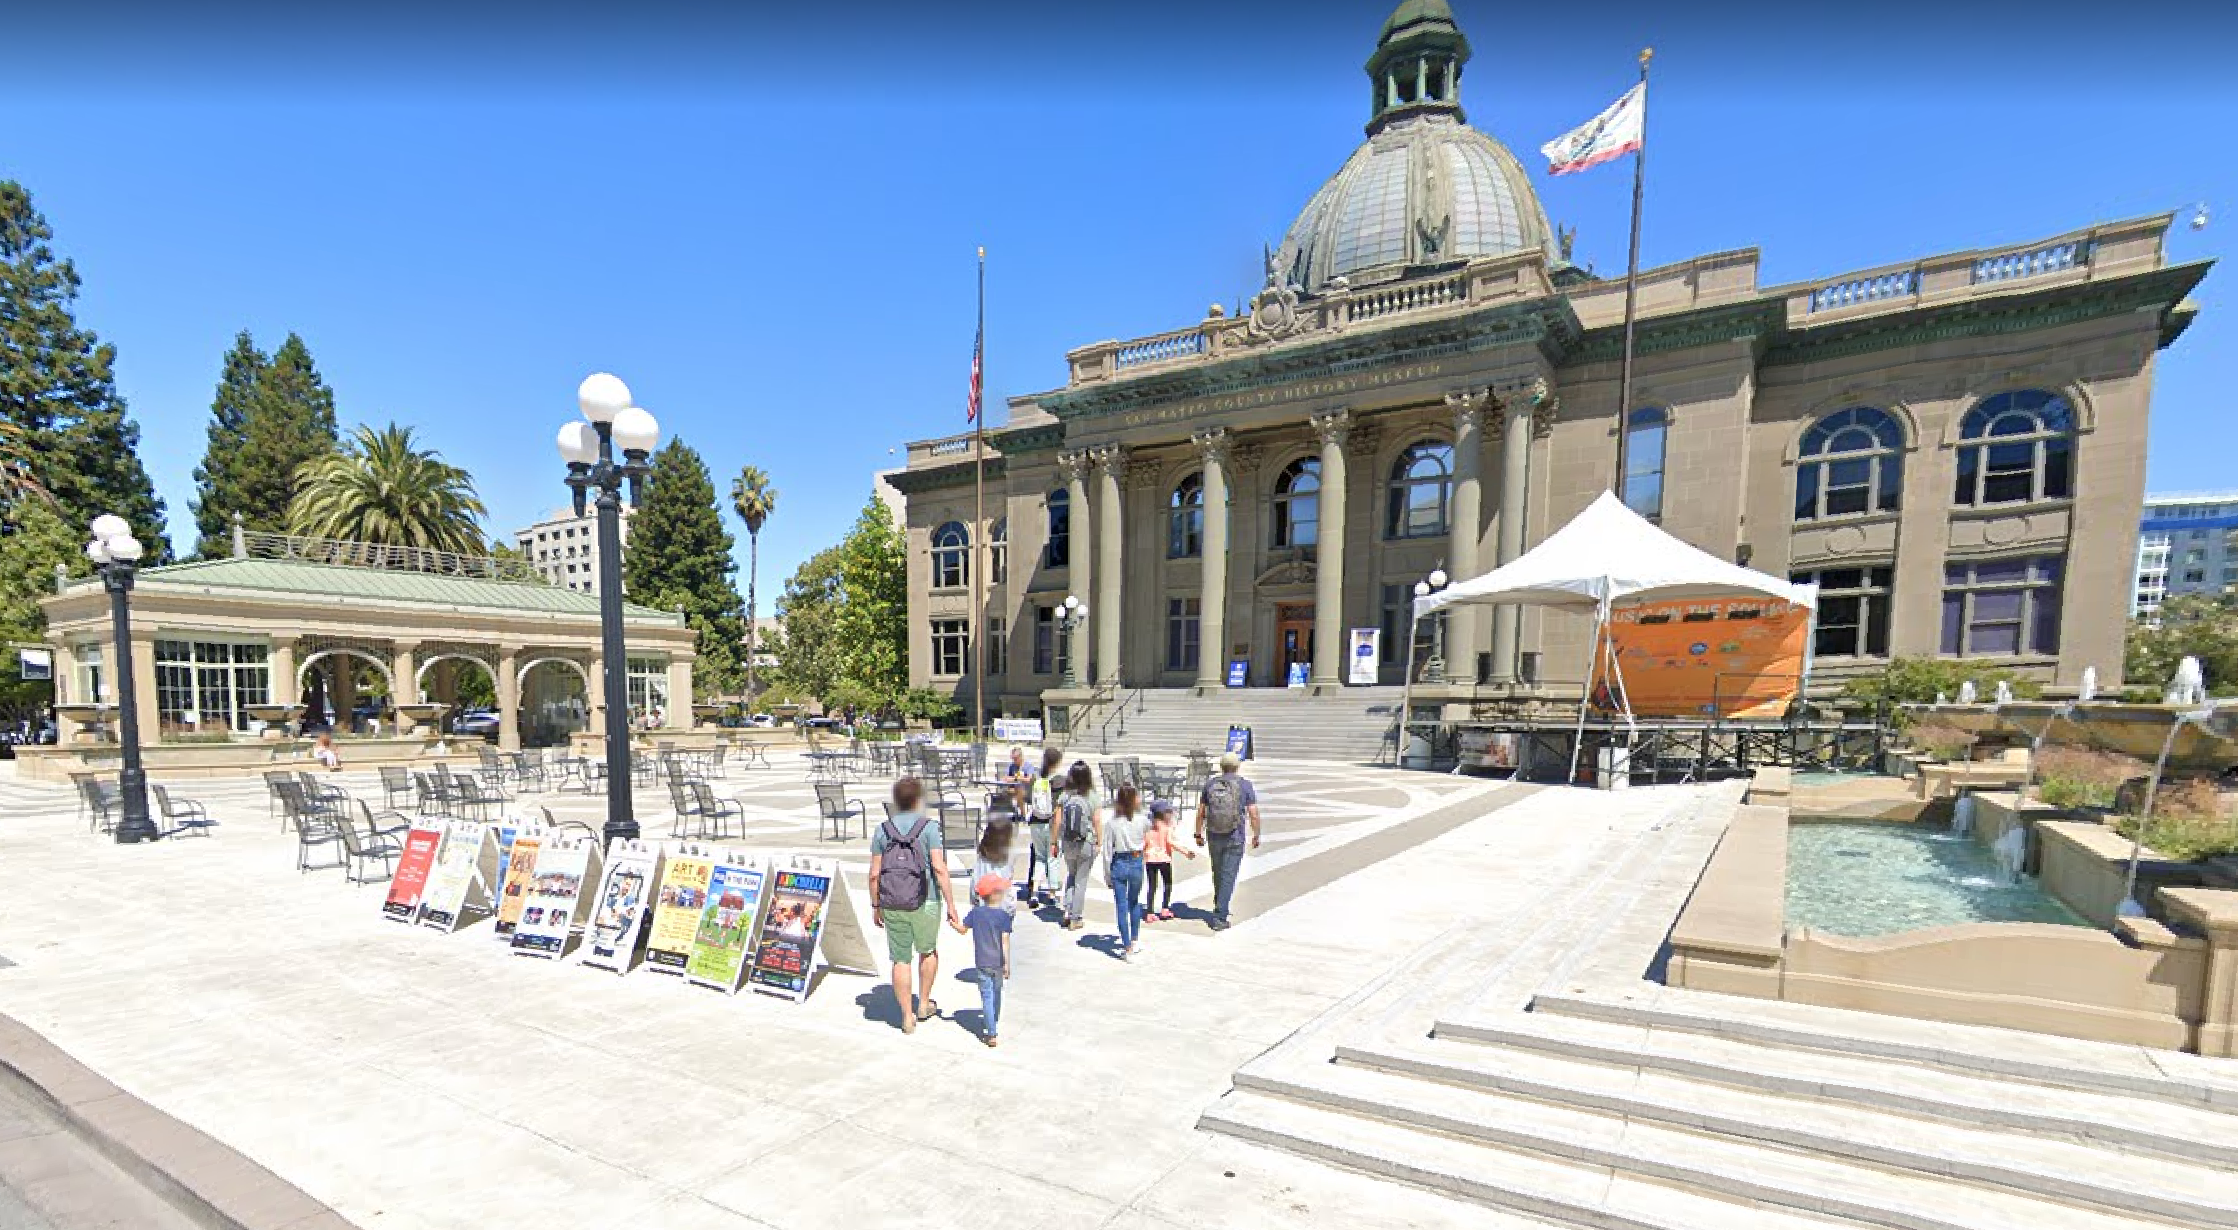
(909, 887)
(1227, 801)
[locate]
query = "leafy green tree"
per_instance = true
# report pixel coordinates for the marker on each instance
(753, 498)
(383, 488)
(33, 540)
(806, 656)
(2203, 626)
(871, 622)
(679, 559)
(58, 388)
(271, 416)
(517, 564)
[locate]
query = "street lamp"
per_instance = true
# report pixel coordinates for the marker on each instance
(1070, 616)
(1433, 671)
(610, 422)
(116, 554)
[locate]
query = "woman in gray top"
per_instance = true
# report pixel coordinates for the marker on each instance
(1123, 838)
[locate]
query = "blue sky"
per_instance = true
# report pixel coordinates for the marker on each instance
(766, 222)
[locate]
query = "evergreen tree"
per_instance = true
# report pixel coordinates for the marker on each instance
(870, 625)
(57, 386)
(271, 417)
(33, 539)
(679, 559)
(805, 654)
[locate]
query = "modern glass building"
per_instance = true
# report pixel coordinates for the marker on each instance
(2184, 547)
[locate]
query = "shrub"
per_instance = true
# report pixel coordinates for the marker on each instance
(2188, 823)
(1942, 742)
(2075, 777)
(1917, 681)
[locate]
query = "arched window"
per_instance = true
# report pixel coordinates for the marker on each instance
(2016, 446)
(1297, 504)
(951, 552)
(1850, 462)
(1185, 525)
(1421, 491)
(1645, 431)
(1057, 552)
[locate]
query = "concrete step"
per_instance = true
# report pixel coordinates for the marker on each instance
(2104, 1119)
(1513, 1182)
(1740, 1171)
(1968, 1050)
(2185, 1192)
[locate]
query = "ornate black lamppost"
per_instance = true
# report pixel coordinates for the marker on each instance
(588, 448)
(116, 555)
(1070, 616)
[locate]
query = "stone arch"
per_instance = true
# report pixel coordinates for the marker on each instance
(419, 677)
(521, 677)
(303, 668)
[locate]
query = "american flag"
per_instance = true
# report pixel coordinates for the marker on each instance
(971, 409)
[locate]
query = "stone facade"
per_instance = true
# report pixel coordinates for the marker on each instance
(1498, 375)
(563, 548)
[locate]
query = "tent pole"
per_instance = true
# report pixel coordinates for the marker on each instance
(1592, 671)
(1406, 693)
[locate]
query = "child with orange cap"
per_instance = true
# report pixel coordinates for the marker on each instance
(989, 925)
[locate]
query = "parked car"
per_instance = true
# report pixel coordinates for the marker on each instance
(761, 721)
(483, 722)
(823, 723)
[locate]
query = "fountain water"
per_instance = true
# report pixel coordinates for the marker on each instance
(2188, 686)
(2011, 851)
(1941, 699)
(1962, 815)
(2089, 689)
(2004, 693)
(1966, 693)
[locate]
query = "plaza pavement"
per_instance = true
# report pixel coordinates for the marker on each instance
(413, 1079)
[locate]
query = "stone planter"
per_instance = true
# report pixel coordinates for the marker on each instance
(276, 719)
(425, 713)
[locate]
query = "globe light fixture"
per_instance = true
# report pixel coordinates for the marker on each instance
(1070, 615)
(115, 554)
(594, 475)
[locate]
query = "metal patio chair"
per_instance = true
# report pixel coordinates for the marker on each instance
(396, 783)
(360, 847)
(715, 814)
(836, 809)
(182, 812)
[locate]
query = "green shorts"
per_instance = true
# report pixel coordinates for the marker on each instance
(912, 933)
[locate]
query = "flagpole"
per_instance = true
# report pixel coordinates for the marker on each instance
(1631, 295)
(979, 517)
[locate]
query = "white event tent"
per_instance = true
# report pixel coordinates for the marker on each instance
(1606, 557)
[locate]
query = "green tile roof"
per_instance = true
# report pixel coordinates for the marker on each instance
(323, 581)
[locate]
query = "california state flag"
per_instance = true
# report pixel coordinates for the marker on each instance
(1611, 134)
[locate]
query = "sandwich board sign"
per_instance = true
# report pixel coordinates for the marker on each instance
(727, 925)
(409, 883)
(683, 893)
(465, 868)
(808, 908)
(518, 877)
(618, 912)
(1018, 730)
(554, 904)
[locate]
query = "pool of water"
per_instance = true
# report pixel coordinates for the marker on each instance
(1878, 879)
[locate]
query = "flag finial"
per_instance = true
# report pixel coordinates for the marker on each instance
(1646, 54)
(982, 252)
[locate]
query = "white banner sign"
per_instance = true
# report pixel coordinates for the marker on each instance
(1367, 646)
(1018, 730)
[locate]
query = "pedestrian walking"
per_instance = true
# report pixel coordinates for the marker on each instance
(1123, 837)
(1041, 815)
(1226, 804)
(1077, 839)
(989, 925)
(994, 854)
(909, 881)
(1158, 849)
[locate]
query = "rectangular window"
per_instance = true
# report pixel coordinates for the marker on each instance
(998, 647)
(1181, 634)
(2195, 576)
(90, 679)
(1045, 640)
(1853, 610)
(951, 646)
(203, 686)
(1057, 552)
(2002, 607)
(1395, 614)
(998, 557)
(648, 688)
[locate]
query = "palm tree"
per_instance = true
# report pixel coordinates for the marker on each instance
(381, 488)
(754, 499)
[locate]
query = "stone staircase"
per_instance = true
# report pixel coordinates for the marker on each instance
(1353, 726)
(1522, 1065)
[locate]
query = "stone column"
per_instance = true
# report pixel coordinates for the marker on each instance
(284, 689)
(1110, 519)
(1329, 662)
(1461, 563)
(405, 688)
(144, 697)
(65, 692)
(594, 694)
(508, 698)
(1080, 545)
(680, 697)
(1212, 598)
(1515, 477)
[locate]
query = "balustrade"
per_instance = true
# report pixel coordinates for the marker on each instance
(2033, 262)
(1180, 344)
(1870, 288)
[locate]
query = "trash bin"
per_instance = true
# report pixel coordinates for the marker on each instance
(1616, 768)
(1418, 751)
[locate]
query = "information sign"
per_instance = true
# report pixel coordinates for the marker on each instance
(1239, 741)
(790, 928)
(618, 912)
(1297, 675)
(1018, 730)
(409, 884)
(1239, 672)
(518, 876)
(553, 908)
(1367, 651)
(683, 894)
(726, 931)
(465, 867)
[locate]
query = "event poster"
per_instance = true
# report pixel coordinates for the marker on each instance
(469, 851)
(726, 925)
(409, 884)
(1367, 651)
(518, 877)
(790, 927)
(553, 903)
(683, 894)
(618, 912)
(1717, 658)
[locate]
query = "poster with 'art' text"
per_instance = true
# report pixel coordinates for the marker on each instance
(683, 894)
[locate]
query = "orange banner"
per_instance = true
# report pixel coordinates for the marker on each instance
(1733, 658)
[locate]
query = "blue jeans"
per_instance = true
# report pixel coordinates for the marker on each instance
(1227, 863)
(1126, 892)
(990, 998)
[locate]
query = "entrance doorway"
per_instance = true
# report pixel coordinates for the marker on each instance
(1293, 637)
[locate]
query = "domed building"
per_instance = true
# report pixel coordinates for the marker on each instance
(1950, 445)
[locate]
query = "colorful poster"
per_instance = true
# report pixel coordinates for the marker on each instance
(726, 926)
(1367, 652)
(794, 920)
(409, 883)
(683, 895)
(468, 853)
(517, 876)
(553, 906)
(618, 912)
(1722, 658)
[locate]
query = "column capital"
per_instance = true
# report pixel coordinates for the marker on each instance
(1467, 407)
(1107, 459)
(1075, 465)
(1546, 407)
(1213, 445)
(1332, 428)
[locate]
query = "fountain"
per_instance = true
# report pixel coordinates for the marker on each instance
(1941, 699)
(1966, 693)
(2011, 852)
(2188, 686)
(2089, 689)
(1962, 815)
(2004, 693)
